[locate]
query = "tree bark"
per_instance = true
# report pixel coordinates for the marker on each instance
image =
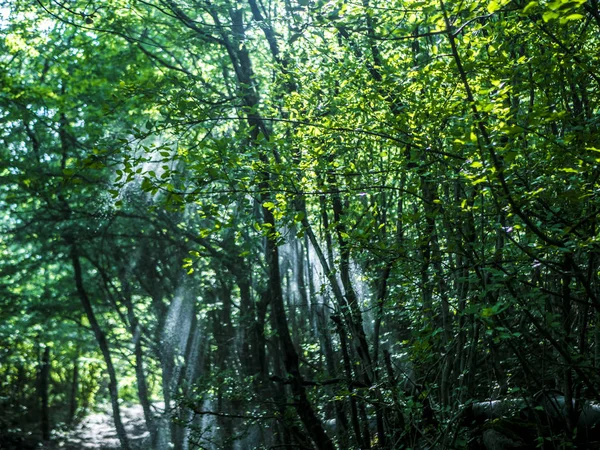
(140, 373)
(44, 388)
(104, 348)
(74, 389)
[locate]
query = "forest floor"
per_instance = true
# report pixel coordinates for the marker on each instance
(97, 432)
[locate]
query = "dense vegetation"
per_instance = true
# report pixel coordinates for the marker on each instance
(303, 224)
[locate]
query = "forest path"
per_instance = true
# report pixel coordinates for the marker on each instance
(97, 432)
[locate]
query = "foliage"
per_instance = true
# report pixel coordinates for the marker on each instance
(321, 224)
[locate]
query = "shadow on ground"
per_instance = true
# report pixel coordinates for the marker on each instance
(97, 432)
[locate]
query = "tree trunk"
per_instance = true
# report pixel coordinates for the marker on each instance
(74, 389)
(140, 373)
(290, 357)
(104, 348)
(44, 388)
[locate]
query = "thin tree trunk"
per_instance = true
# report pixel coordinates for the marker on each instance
(140, 373)
(349, 378)
(104, 348)
(290, 356)
(44, 388)
(74, 389)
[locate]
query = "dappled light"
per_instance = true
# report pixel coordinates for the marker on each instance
(299, 224)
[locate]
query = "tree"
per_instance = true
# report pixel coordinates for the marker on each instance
(324, 224)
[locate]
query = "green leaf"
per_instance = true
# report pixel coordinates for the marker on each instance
(550, 15)
(487, 312)
(530, 6)
(493, 6)
(147, 185)
(570, 17)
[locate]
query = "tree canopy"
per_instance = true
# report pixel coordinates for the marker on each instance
(313, 224)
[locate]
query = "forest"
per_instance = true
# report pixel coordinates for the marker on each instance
(300, 224)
